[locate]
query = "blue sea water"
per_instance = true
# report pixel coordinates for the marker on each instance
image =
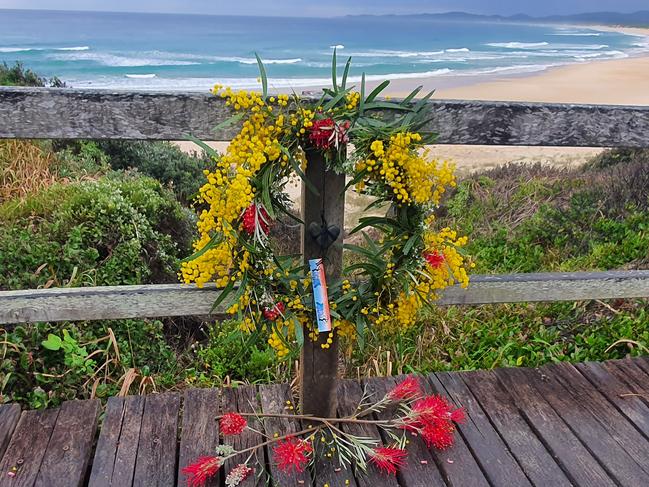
(188, 52)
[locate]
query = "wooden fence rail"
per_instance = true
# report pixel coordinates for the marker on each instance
(42, 113)
(158, 300)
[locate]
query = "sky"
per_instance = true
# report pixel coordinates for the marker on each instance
(329, 8)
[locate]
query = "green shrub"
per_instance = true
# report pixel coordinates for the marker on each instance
(18, 75)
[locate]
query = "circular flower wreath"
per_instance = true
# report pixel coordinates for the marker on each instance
(405, 258)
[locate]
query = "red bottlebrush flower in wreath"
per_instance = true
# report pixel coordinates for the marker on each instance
(434, 258)
(438, 434)
(388, 459)
(255, 215)
(237, 475)
(292, 454)
(275, 312)
(199, 472)
(435, 408)
(325, 133)
(407, 389)
(232, 424)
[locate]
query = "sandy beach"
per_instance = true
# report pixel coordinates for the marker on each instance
(619, 81)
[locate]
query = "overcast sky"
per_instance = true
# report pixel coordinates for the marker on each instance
(336, 7)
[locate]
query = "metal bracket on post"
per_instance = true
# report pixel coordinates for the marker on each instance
(319, 366)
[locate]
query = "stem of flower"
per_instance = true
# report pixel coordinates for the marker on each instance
(349, 419)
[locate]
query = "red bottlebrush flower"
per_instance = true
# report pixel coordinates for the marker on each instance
(388, 459)
(434, 258)
(438, 434)
(237, 475)
(199, 472)
(292, 454)
(407, 389)
(275, 312)
(325, 133)
(232, 424)
(255, 215)
(432, 408)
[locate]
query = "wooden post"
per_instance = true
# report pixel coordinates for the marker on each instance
(319, 367)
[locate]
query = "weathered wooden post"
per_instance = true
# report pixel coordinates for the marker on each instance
(319, 367)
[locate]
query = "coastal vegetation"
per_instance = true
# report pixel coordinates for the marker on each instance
(93, 213)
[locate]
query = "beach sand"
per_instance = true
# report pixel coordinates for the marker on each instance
(620, 81)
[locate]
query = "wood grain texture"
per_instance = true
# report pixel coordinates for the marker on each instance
(155, 465)
(155, 300)
(27, 448)
(424, 467)
(117, 446)
(274, 400)
(350, 394)
(100, 114)
(70, 447)
(319, 367)
(200, 430)
(9, 416)
(530, 452)
(488, 448)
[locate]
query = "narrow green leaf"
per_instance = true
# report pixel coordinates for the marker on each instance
(229, 122)
(333, 72)
(208, 150)
(224, 294)
(346, 72)
(361, 103)
(410, 243)
(376, 91)
(265, 191)
(299, 332)
(264, 77)
(214, 241)
(412, 94)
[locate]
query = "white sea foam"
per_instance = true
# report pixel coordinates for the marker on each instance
(106, 59)
(337, 46)
(461, 49)
(246, 60)
(518, 45)
(141, 76)
(27, 49)
(577, 34)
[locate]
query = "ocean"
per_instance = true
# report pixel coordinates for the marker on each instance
(188, 52)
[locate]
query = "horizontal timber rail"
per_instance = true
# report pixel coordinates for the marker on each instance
(117, 302)
(62, 113)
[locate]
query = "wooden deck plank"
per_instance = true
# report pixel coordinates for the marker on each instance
(619, 393)
(349, 397)
(9, 416)
(493, 455)
(70, 447)
(641, 362)
(531, 454)
(27, 448)
(200, 432)
(156, 454)
(422, 469)
(244, 400)
(273, 401)
(631, 373)
(612, 421)
(575, 459)
(117, 447)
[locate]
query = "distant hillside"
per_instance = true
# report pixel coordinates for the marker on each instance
(636, 19)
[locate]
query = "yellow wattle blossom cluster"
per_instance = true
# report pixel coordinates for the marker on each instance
(412, 177)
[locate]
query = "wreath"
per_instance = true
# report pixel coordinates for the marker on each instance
(398, 265)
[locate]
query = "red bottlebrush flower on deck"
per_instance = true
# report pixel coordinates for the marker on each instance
(434, 258)
(432, 408)
(201, 471)
(232, 424)
(388, 459)
(275, 312)
(438, 434)
(325, 133)
(237, 475)
(255, 215)
(407, 389)
(292, 454)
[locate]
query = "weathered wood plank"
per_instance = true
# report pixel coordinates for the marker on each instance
(319, 367)
(274, 400)
(532, 455)
(424, 467)
(628, 371)
(488, 448)
(155, 465)
(149, 301)
(350, 394)
(117, 446)
(611, 385)
(98, 114)
(566, 448)
(9, 416)
(612, 421)
(200, 430)
(70, 447)
(27, 448)
(244, 400)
